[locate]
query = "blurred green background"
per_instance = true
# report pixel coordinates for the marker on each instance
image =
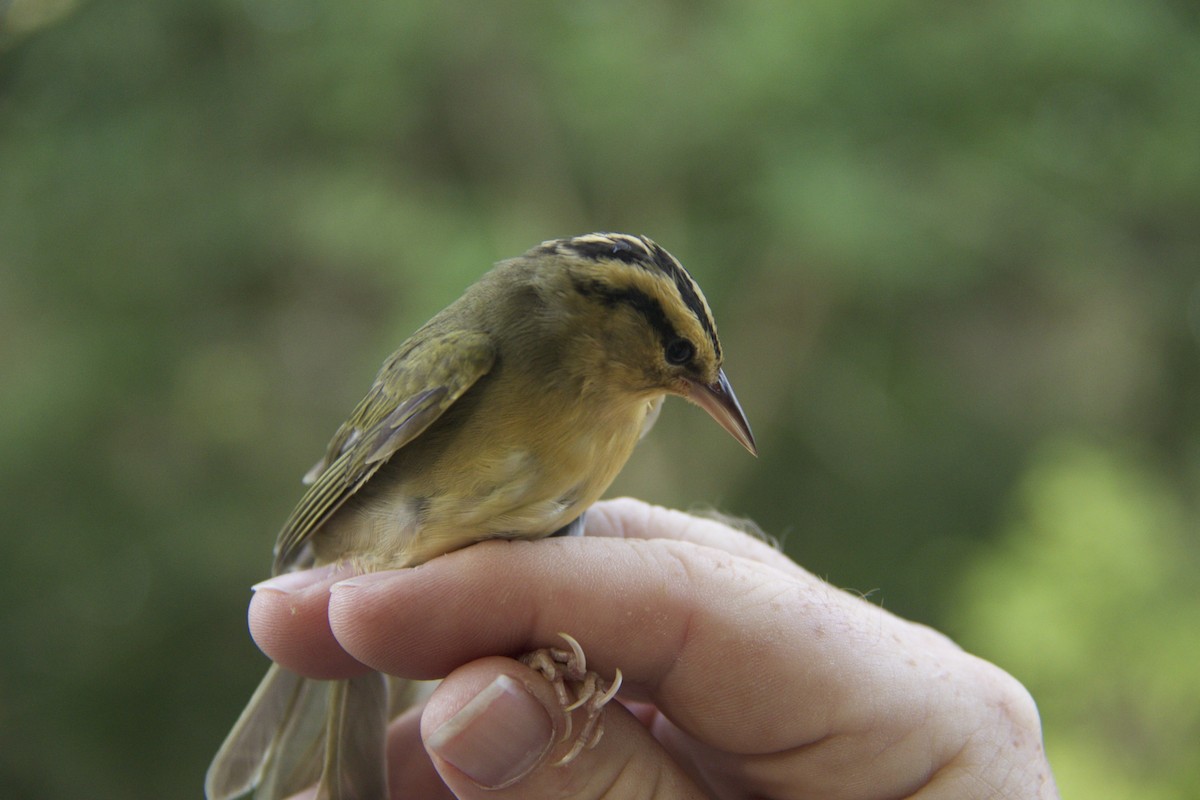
(953, 248)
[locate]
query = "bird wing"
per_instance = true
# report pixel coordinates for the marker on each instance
(414, 387)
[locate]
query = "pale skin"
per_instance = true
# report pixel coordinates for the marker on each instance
(744, 675)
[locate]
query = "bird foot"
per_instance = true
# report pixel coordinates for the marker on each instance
(567, 672)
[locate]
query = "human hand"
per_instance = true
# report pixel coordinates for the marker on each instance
(745, 676)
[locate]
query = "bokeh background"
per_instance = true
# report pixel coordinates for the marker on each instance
(953, 249)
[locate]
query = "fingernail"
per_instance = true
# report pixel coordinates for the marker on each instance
(292, 582)
(497, 737)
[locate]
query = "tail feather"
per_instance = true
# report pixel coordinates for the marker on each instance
(238, 766)
(278, 747)
(294, 761)
(355, 765)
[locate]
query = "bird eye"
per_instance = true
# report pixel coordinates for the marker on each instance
(679, 351)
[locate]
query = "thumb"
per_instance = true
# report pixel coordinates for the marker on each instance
(493, 729)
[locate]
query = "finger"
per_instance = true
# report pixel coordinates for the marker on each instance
(784, 671)
(411, 773)
(288, 613)
(628, 518)
(494, 729)
(719, 643)
(289, 620)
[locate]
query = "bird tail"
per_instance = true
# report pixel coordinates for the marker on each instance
(296, 732)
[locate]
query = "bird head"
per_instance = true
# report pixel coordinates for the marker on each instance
(642, 324)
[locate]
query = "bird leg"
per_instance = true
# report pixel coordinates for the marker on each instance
(591, 692)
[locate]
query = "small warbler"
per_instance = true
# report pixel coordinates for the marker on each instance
(504, 416)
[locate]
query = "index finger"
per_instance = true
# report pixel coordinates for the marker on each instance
(723, 645)
(627, 518)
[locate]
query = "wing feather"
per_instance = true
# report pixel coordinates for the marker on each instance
(414, 387)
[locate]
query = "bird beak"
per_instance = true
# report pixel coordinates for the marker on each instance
(722, 405)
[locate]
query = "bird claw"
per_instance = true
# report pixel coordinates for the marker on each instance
(591, 692)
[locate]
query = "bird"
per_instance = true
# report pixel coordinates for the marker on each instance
(506, 415)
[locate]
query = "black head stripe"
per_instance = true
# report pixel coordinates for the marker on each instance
(608, 246)
(688, 293)
(642, 252)
(650, 309)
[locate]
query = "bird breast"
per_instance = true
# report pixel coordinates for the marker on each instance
(482, 485)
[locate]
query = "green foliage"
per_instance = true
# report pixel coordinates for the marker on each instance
(935, 236)
(1090, 599)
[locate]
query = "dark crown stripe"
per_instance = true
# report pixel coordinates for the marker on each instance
(617, 247)
(641, 252)
(689, 293)
(636, 299)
